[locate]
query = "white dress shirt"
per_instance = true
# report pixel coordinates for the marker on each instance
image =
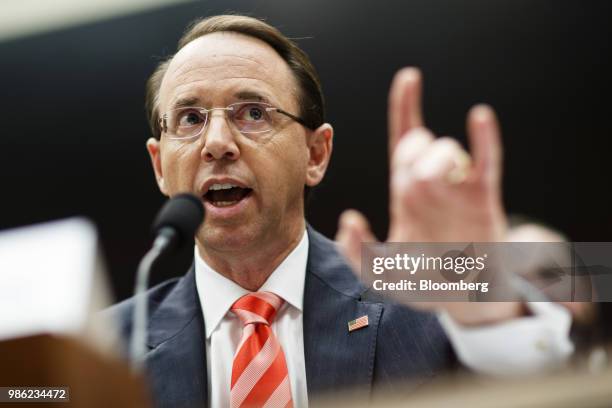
(224, 329)
(520, 346)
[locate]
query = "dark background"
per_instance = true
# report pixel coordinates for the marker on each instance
(73, 123)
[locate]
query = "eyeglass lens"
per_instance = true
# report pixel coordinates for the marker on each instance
(247, 117)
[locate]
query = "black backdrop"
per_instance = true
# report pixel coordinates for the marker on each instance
(73, 124)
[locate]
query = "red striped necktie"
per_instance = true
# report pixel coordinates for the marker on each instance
(259, 370)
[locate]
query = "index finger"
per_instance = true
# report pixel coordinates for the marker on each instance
(404, 104)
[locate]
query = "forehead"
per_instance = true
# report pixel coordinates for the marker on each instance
(215, 67)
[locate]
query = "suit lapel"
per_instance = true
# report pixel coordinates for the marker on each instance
(176, 362)
(334, 357)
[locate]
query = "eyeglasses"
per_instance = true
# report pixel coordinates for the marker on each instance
(247, 117)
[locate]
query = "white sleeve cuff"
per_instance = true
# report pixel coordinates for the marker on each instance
(526, 345)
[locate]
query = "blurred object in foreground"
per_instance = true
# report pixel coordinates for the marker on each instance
(92, 379)
(52, 284)
(26, 17)
(52, 280)
(562, 390)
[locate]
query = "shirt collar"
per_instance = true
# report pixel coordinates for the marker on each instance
(217, 293)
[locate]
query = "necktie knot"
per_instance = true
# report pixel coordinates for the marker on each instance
(258, 307)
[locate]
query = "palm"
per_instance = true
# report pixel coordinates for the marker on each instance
(447, 213)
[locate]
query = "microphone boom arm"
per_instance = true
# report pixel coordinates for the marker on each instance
(139, 315)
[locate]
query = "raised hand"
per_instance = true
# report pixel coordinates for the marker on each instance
(438, 192)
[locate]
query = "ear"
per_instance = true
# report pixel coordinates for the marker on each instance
(319, 144)
(154, 153)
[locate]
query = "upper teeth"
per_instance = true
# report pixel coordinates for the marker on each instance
(222, 186)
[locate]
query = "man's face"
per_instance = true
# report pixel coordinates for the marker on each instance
(270, 170)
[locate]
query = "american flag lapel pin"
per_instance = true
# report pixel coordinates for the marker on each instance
(358, 323)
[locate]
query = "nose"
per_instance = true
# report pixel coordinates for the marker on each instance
(219, 140)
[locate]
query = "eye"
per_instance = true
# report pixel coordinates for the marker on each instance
(189, 117)
(251, 113)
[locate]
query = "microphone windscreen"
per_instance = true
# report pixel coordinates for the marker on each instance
(184, 213)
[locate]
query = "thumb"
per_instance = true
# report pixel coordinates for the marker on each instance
(353, 229)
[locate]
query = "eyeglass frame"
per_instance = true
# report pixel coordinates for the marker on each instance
(268, 107)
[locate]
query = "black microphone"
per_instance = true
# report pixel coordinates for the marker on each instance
(174, 226)
(177, 222)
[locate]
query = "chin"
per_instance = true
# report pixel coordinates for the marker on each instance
(227, 238)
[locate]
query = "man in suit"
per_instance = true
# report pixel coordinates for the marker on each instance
(270, 313)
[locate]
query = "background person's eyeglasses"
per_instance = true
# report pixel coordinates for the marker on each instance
(248, 117)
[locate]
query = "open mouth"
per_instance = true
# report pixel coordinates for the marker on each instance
(226, 195)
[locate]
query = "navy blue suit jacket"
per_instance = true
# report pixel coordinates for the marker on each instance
(399, 342)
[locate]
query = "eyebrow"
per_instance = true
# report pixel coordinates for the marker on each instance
(184, 102)
(240, 95)
(249, 96)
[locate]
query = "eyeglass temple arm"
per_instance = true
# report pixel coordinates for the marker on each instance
(296, 118)
(162, 123)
